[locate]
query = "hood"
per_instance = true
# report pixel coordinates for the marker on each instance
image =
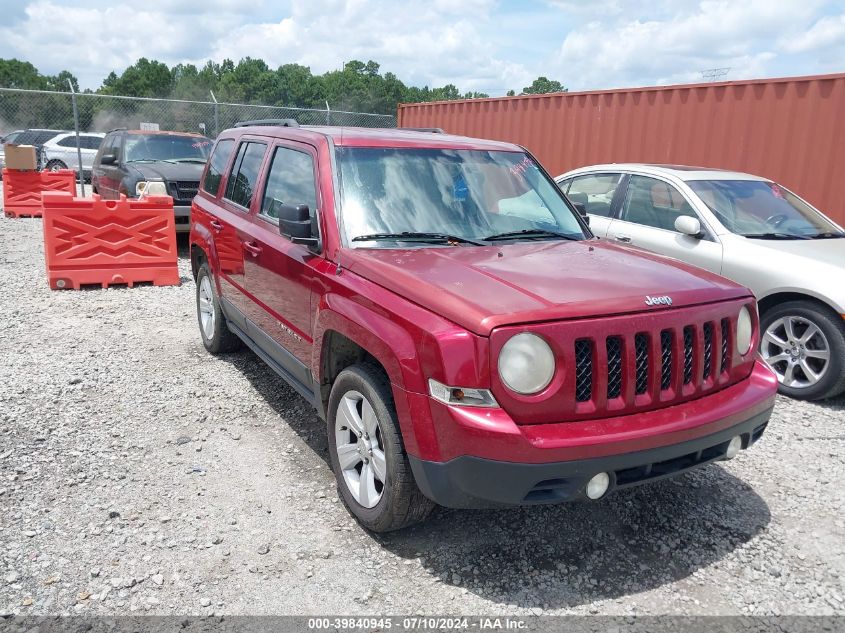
(484, 287)
(168, 171)
(826, 251)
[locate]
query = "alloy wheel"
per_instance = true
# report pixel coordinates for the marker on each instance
(206, 307)
(797, 350)
(360, 449)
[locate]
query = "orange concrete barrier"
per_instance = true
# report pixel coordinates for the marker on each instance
(22, 189)
(109, 242)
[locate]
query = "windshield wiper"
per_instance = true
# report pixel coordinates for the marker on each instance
(151, 160)
(828, 235)
(189, 160)
(776, 236)
(409, 236)
(530, 233)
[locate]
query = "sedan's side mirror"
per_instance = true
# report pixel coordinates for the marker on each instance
(295, 222)
(108, 159)
(688, 225)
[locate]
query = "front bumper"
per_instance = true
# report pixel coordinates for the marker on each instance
(474, 482)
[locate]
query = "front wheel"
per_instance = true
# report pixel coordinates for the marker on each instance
(804, 343)
(373, 474)
(56, 165)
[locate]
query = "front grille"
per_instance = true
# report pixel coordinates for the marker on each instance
(614, 367)
(708, 350)
(641, 350)
(726, 337)
(184, 189)
(583, 370)
(666, 359)
(688, 355)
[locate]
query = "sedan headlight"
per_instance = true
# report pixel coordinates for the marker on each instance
(150, 188)
(744, 331)
(526, 364)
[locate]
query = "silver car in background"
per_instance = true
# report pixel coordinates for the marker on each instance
(60, 152)
(748, 229)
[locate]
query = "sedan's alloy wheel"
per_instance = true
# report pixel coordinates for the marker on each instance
(360, 449)
(797, 350)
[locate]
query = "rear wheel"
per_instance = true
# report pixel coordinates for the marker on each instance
(216, 336)
(804, 343)
(373, 474)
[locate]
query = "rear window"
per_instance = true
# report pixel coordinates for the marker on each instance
(240, 186)
(217, 165)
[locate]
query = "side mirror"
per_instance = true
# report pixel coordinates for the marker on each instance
(688, 225)
(581, 208)
(108, 159)
(295, 222)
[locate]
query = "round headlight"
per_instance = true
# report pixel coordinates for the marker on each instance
(744, 330)
(526, 363)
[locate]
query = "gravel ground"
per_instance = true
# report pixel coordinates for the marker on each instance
(138, 474)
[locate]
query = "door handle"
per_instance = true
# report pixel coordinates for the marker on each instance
(216, 225)
(252, 248)
(623, 238)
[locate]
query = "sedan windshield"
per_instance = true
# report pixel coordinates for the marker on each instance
(762, 209)
(168, 147)
(449, 197)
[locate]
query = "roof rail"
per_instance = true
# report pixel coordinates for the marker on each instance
(269, 122)
(432, 130)
(117, 129)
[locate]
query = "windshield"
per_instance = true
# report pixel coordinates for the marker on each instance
(471, 195)
(757, 208)
(167, 147)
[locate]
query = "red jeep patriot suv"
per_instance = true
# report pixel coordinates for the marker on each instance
(449, 314)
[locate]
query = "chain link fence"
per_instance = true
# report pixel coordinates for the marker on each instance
(21, 109)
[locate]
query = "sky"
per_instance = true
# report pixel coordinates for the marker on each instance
(481, 45)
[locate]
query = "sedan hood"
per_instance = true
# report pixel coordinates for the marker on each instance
(826, 251)
(484, 287)
(169, 171)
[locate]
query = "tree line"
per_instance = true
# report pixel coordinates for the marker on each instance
(358, 86)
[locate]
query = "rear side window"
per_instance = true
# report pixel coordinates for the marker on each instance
(216, 164)
(90, 142)
(290, 181)
(244, 174)
(594, 191)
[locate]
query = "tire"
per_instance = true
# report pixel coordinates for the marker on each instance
(216, 336)
(400, 502)
(814, 367)
(56, 165)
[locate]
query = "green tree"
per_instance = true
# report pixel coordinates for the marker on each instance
(543, 85)
(144, 78)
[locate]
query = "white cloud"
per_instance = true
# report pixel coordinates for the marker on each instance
(828, 31)
(438, 43)
(709, 34)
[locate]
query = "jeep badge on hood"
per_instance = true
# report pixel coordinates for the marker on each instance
(665, 300)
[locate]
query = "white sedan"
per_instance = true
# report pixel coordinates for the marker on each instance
(748, 229)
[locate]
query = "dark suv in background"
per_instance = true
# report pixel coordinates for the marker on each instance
(131, 162)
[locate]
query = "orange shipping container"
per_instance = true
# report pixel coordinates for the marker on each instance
(791, 130)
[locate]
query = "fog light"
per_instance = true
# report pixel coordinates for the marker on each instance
(60, 283)
(734, 447)
(598, 485)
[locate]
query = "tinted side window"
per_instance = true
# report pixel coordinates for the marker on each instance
(652, 202)
(90, 142)
(69, 141)
(290, 181)
(594, 191)
(216, 165)
(244, 174)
